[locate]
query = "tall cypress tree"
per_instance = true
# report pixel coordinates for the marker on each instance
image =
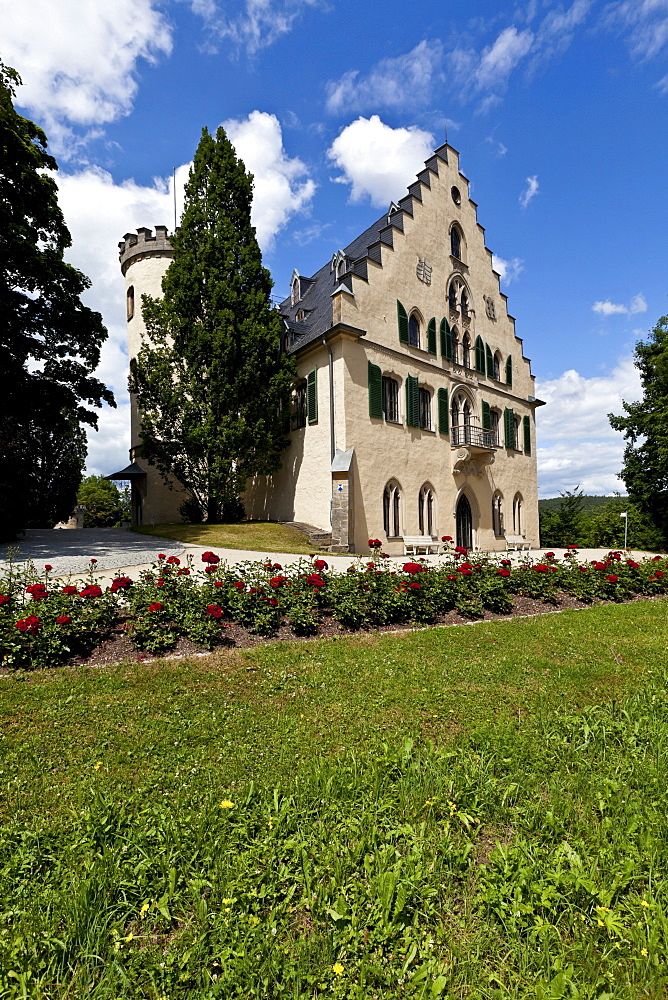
(211, 381)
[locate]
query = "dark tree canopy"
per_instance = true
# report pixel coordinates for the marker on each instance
(49, 341)
(211, 381)
(645, 427)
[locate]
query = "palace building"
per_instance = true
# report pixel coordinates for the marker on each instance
(414, 410)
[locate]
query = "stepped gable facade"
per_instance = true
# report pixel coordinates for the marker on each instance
(414, 409)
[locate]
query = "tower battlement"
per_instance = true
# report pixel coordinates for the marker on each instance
(144, 244)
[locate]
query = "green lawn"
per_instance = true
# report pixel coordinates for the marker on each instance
(472, 812)
(255, 536)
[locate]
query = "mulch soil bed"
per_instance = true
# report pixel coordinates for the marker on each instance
(119, 648)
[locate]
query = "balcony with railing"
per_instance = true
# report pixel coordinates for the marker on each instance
(473, 436)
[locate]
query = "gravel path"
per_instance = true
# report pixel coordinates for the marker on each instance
(70, 551)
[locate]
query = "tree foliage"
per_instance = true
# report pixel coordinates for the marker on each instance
(597, 527)
(645, 428)
(106, 505)
(49, 341)
(211, 381)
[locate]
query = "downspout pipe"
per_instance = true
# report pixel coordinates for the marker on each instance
(332, 433)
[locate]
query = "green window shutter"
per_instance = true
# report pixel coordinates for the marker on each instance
(509, 427)
(489, 360)
(412, 401)
(526, 424)
(402, 316)
(443, 412)
(479, 355)
(312, 397)
(431, 336)
(446, 340)
(486, 416)
(375, 392)
(509, 370)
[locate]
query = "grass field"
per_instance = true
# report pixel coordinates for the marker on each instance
(473, 812)
(255, 536)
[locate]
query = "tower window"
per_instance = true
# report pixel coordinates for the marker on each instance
(130, 302)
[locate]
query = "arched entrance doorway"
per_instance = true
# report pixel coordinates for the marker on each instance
(464, 523)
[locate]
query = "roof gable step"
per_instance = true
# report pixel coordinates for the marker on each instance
(406, 205)
(386, 236)
(432, 164)
(424, 178)
(416, 190)
(374, 252)
(360, 269)
(397, 221)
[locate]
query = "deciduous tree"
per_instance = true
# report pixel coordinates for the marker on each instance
(211, 381)
(49, 341)
(645, 427)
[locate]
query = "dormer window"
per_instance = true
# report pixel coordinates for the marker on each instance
(301, 315)
(295, 288)
(338, 265)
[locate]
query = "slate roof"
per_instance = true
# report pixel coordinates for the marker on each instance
(316, 291)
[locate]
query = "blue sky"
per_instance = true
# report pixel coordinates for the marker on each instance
(558, 111)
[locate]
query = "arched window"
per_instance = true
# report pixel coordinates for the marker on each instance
(130, 302)
(295, 290)
(455, 243)
(341, 267)
(414, 330)
(392, 510)
(466, 413)
(518, 514)
(455, 345)
(452, 297)
(426, 510)
(497, 513)
(495, 417)
(497, 366)
(466, 351)
(390, 399)
(465, 304)
(425, 409)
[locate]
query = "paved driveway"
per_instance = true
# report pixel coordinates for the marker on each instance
(70, 550)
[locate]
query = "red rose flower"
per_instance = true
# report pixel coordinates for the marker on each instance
(37, 591)
(48, 568)
(183, 572)
(160, 582)
(659, 575)
(464, 571)
(156, 606)
(91, 591)
(69, 590)
(375, 543)
(213, 568)
(611, 578)
(656, 558)
(120, 583)
(451, 576)
(174, 561)
(465, 565)
(412, 567)
(446, 538)
(503, 572)
(414, 585)
(506, 562)
(63, 620)
(542, 568)
(277, 566)
(462, 550)
(549, 555)
(320, 564)
(315, 580)
(631, 564)
(30, 625)
(583, 569)
(239, 585)
(211, 558)
(277, 581)
(214, 611)
(4, 599)
(161, 555)
(273, 602)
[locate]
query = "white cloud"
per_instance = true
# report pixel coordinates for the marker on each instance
(258, 24)
(497, 61)
(662, 84)
(530, 191)
(576, 444)
(378, 161)
(645, 23)
(403, 81)
(278, 192)
(79, 61)
(608, 308)
(508, 270)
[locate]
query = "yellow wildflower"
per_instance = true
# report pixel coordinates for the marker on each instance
(129, 938)
(337, 968)
(144, 909)
(643, 952)
(643, 902)
(226, 804)
(98, 766)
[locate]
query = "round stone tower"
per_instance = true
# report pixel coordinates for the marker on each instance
(144, 259)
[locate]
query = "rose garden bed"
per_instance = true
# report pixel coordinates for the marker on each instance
(180, 608)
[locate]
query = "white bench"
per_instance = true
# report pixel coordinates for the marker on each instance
(414, 543)
(517, 543)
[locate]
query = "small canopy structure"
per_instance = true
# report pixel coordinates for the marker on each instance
(132, 473)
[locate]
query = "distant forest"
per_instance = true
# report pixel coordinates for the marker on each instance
(594, 522)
